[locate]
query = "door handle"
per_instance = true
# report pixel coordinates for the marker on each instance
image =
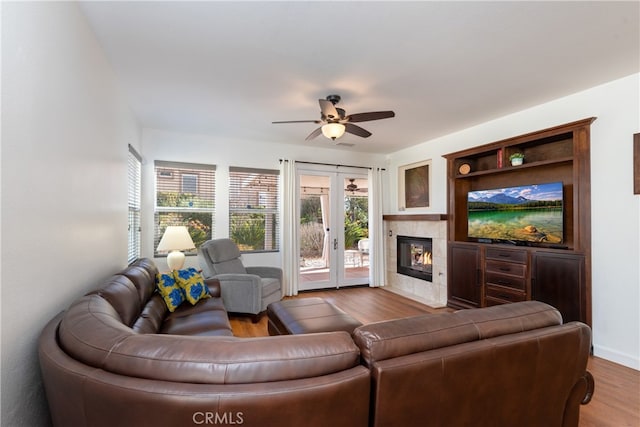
(335, 244)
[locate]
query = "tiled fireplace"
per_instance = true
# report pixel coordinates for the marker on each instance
(422, 240)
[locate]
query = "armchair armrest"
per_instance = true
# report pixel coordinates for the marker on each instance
(265, 271)
(241, 293)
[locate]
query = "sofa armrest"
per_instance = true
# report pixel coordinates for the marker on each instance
(265, 271)
(214, 287)
(588, 378)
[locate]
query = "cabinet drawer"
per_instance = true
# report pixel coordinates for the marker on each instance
(507, 255)
(506, 281)
(511, 268)
(505, 294)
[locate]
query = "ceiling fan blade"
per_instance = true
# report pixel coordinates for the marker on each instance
(356, 130)
(374, 115)
(313, 134)
(328, 110)
(297, 121)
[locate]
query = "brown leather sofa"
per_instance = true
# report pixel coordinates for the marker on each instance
(118, 357)
(508, 365)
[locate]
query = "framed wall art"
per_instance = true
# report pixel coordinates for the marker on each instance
(414, 181)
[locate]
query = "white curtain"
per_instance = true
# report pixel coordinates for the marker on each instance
(289, 229)
(377, 259)
(325, 208)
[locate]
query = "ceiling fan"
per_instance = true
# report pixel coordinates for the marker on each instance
(335, 121)
(353, 187)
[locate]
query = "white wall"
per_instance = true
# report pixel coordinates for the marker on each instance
(163, 145)
(65, 130)
(615, 209)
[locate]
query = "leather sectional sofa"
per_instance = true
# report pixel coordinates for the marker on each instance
(117, 356)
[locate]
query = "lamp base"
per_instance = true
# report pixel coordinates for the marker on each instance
(175, 260)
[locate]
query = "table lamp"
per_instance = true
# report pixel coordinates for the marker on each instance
(174, 240)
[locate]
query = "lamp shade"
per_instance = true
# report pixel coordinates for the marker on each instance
(333, 130)
(175, 239)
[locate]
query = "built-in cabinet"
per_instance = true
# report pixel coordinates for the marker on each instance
(464, 288)
(482, 273)
(558, 279)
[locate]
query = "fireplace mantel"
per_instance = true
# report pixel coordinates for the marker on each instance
(415, 217)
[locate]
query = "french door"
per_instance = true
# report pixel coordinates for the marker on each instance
(333, 227)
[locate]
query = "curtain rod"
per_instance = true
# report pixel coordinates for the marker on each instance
(332, 164)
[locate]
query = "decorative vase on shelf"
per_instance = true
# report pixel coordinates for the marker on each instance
(516, 159)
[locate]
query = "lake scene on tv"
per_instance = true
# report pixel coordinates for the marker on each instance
(529, 213)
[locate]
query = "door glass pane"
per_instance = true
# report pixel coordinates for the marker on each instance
(356, 229)
(314, 228)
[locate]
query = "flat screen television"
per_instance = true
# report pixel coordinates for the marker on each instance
(528, 214)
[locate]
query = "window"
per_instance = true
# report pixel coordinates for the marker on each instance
(185, 195)
(189, 183)
(253, 209)
(134, 166)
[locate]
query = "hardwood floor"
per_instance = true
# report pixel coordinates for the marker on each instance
(616, 401)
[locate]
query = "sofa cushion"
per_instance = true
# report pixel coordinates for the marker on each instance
(148, 265)
(172, 294)
(203, 323)
(141, 279)
(207, 318)
(394, 338)
(192, 283)
(511, 318)
(152, 316)
(123, 296)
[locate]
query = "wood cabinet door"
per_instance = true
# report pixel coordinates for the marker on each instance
(465, 282)
(558, 280)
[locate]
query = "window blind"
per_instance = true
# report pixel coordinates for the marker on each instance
(134, 167)
(253, 209)
(185, 195)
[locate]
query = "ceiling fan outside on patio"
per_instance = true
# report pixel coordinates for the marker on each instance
(335, 121)
(353, 187)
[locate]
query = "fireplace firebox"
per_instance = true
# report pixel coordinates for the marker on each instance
(414, 257)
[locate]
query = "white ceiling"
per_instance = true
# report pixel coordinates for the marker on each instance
(231, 68)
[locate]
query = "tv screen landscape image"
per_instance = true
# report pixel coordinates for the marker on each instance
(528, 213)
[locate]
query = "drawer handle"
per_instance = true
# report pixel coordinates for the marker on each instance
(505, 255)
(505, 269)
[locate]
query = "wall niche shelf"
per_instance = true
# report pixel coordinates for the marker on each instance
(483, 273)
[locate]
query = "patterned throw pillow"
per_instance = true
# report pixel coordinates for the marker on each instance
(172, 294)
(193, 284)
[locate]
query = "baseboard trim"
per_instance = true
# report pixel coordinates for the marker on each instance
(616, 357)
(429, 303)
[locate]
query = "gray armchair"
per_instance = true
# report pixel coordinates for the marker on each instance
(244, 289)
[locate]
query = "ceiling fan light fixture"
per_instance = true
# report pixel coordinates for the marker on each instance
(333, 131)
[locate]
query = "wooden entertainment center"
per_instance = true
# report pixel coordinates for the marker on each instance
(482, 272)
